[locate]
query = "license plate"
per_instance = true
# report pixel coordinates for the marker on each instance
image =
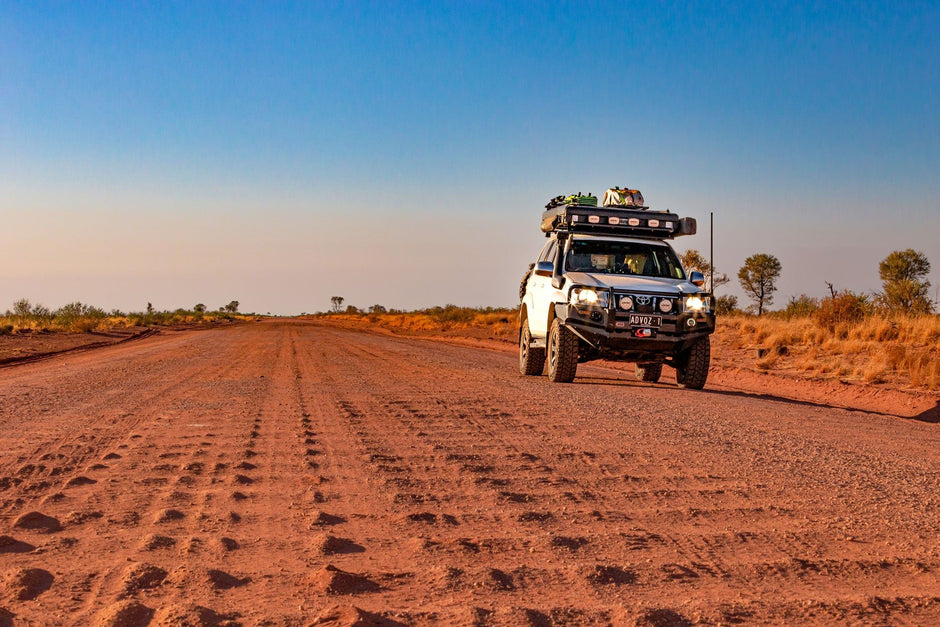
(639, 320)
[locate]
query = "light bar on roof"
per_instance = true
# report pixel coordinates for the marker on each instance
(634, 222)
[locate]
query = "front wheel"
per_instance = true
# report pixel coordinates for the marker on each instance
(531, 360)
(692, 365)
(562, 353)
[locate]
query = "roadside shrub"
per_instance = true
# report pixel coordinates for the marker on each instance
(78, 317)
(22, 308)
(801, 306)
(725, 305)
(41, 313)
(845, 308)
(452, 313)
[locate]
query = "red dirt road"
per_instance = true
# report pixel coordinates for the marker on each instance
(284, 473)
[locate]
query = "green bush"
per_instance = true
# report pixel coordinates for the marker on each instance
(801, 306)
(452, 313)
(841, 309)
(725, 305)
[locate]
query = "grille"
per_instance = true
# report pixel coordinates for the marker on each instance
(645, 304)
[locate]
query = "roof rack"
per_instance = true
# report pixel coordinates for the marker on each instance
(623, 221)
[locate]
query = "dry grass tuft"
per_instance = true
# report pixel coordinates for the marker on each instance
(499, 324)
(874, 347)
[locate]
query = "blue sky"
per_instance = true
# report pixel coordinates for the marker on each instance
(400, 153)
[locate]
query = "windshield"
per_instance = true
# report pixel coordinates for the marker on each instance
(612, 257)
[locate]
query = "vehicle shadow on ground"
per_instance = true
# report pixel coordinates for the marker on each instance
(930, 416)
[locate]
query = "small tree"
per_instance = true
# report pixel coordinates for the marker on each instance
(801, 306)
(41, 311)
(232, 307)
(377, 309)
(336, 304)
(22, 308)
(758, 277)
(149, 308)
(692, 260)
(200, 308)
(725, 305)
(904, 281)
(25, 309)
(72, 310)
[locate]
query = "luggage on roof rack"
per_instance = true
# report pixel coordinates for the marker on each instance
(574, 199)
(624, 197)
(588, 200)
(631, 222)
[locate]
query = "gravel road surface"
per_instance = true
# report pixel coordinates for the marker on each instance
(284, 473)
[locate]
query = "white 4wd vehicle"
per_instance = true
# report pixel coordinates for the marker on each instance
(607, 286)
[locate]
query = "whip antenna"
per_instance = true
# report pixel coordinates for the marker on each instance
(711, 252)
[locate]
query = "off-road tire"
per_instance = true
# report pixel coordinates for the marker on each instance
(649, 372)
(692, 365)
(562, 353)
(531, 360)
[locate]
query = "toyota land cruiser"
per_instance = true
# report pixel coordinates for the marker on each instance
(607, 286)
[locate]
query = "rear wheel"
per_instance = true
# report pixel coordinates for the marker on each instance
(692, 365)
(531, 360)
(649, 372)
(562, 353)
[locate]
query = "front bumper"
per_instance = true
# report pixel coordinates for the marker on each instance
(610, 335)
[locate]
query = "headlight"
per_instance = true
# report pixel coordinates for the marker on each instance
(626, 303)
(587, 297)
(696, 303)
(665, 305)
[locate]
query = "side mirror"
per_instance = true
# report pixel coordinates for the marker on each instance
(544, 268)
(697, 278)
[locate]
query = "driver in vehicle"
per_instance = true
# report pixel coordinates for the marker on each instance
(602, 263)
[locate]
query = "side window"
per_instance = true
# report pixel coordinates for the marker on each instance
(544, 252)
(548, 253)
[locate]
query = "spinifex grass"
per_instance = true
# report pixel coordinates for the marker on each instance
(877, 348)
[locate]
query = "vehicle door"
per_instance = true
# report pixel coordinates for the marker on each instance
(540, 294)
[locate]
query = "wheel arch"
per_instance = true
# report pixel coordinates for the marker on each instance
(552, 314)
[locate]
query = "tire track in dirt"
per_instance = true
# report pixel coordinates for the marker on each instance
(344, 513)
(88, 432)
(155, 483)
(697, 500)
(281, 472)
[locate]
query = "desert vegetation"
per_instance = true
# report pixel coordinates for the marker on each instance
(758, 277)
(842, 338)
(491, 322)
(891, 336)
(848, 337)
(77, 317)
